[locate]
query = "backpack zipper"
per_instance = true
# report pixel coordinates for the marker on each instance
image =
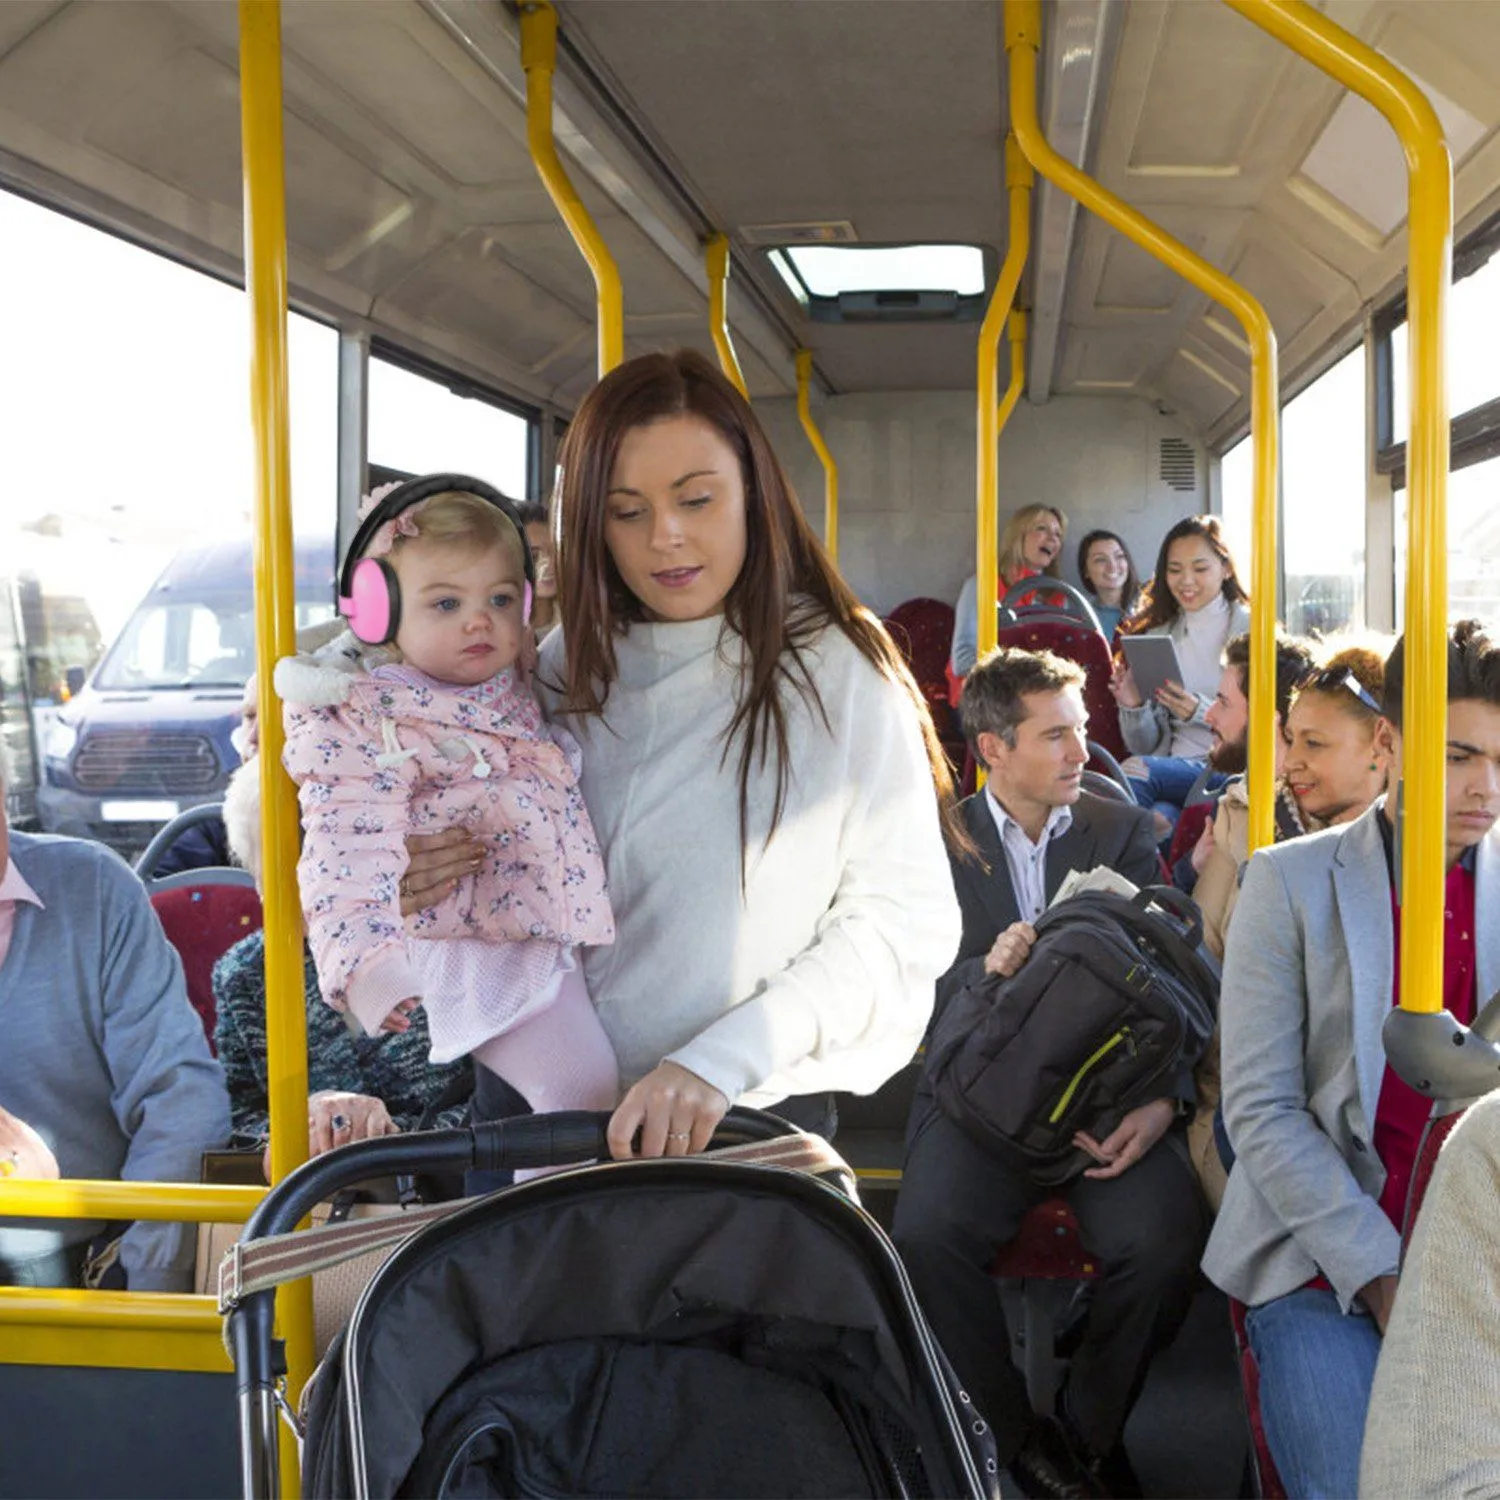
(1122, 1035)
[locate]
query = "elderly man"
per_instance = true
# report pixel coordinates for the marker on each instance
(104, 1070)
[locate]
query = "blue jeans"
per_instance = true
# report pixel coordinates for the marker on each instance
(1169, 783)
(1316, 1368)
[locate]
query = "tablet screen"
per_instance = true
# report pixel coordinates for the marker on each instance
(1153, 661)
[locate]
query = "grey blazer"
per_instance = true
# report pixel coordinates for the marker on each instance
(1308, 975)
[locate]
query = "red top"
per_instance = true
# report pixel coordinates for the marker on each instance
(1402, 1112)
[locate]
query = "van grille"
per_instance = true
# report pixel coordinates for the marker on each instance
(148, 764)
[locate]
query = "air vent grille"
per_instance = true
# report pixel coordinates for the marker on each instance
(1178, 464)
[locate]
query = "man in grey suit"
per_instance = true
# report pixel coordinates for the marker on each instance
(1325, 1134)
(1139, 1209)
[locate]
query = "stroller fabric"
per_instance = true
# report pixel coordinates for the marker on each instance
(662, 1329)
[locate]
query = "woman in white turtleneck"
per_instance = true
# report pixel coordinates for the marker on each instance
(759, 765)
(1195, 597)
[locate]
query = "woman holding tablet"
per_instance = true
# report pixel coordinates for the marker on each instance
(1196, 601)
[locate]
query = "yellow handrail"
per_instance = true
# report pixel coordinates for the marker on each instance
(830, 468)
(539, 60)
(87, 1198)
(988, 419)
(275, 625)
(716, 254)
(1022, 41)
(1425, 701)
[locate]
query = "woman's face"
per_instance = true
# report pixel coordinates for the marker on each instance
(1043, 542)
(539, 539)
(1107, 567)
(1195, 575)
(675, 517)
(1328, 759)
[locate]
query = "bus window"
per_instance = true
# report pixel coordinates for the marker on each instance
(421, 426)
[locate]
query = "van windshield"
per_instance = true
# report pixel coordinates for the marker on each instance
(202, 642)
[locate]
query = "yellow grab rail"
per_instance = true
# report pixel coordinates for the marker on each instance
(988, 407)
(1015, 336)
(539, 61)
(1023, 35)
(1425, 703)
(830, 468)
(88, 1198)
(275, 625)
(716, 254)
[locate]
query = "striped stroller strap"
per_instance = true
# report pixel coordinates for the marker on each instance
(279, 1258)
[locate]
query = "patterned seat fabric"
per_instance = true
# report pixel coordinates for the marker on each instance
(923, 632)
(1077, 642)
(203, 922)
(1048, 1248)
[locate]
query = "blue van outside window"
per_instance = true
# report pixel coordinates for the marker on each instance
(149, 734)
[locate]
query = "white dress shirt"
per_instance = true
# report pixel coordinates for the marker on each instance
(1027, 861)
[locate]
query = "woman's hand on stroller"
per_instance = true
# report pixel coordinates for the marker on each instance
(334, 1118)
(670, 1112)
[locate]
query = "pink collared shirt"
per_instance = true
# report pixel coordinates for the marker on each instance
(13, 888)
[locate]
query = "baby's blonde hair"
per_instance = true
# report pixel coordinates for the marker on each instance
(455, 516)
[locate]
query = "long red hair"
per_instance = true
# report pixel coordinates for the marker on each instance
(786, 593)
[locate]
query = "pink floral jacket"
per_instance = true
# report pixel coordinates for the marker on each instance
(380, 751)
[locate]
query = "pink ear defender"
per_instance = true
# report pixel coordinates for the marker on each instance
(526, 605)
(372, 606)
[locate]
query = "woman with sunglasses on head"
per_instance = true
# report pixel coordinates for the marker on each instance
(1336, 763)
(761, 769)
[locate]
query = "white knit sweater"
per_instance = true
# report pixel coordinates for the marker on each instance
(819, 973)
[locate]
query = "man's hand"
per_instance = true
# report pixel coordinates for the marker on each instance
(1122, 686)
(1135, 1135)
(435, 863)
(1009, 951)
(1380, 1297)
(23, 1153)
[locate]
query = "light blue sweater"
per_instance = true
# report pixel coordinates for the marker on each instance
(100, 1050)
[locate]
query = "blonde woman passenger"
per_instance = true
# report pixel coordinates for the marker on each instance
(1030, 547)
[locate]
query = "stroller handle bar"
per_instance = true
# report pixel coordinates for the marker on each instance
(526, 1141)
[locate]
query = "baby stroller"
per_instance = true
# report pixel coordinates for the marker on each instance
(716, 1325)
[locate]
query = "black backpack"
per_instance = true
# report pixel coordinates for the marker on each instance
(1114, 999)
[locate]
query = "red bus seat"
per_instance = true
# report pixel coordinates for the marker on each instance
(1078, 643)
(1268, 1483)
(923, 632)
(1189, 830)
(204, 914)
(1047, 1250)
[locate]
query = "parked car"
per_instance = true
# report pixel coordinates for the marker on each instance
(148, 734)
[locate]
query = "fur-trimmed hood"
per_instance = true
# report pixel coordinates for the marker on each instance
(329, 661)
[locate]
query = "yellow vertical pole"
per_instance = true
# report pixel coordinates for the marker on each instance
(539, 60)
(716, 254)
(1023, 35)
(1015, 336)
(1425, 708)
(987, 412)
(266, 286)
(830, 468)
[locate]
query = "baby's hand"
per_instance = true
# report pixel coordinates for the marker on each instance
(400, 1018)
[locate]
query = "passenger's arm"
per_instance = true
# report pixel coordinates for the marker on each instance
(1146, 730)
(167, 1092)
(850, 1009)
(240, 1040)
(355, 815)
(965, 629)
(1278, 1142)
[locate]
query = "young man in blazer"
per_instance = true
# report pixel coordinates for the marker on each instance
(1139, 1209)
(1325, 1134)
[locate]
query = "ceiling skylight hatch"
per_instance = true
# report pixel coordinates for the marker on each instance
(870, 283)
